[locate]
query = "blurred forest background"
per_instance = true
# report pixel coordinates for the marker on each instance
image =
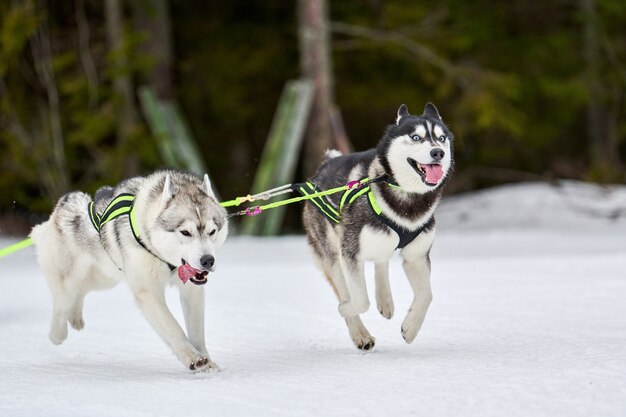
(532, 90)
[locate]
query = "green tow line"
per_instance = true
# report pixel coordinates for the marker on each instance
(250, 211)
(22, 244)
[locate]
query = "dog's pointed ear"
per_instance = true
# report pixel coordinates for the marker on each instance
(431, 111)
(403, 111)
(206, 186)
(168, 190)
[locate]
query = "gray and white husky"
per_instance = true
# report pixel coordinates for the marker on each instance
(151, 232)
(396, 210)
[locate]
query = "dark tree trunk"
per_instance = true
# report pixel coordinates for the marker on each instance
(126, 115)
(595, 112)
(152, 17)
(315, 62)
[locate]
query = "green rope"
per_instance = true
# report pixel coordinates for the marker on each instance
(305, 197)
(235, 202)
(22, 244)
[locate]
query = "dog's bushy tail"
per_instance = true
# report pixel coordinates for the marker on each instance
(37, 232)
(331, 153)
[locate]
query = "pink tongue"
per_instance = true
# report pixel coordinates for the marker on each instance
(186, 271)
(434, 173)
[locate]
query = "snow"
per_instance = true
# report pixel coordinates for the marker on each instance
(528, 319)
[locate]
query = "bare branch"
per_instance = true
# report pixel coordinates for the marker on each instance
(408, 44)
(11, 121)
(86, 58)
(42, 57)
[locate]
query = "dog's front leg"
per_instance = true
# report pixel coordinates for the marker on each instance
(150, 298)
(358, 332)
(192, 302)
(384, 299)
(416, 264)
(418, 274)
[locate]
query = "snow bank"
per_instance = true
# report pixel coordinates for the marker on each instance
(570, 205)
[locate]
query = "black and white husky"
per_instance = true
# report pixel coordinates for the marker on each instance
(148, 231)
(394, 210)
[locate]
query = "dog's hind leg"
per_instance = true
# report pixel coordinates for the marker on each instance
(63, 298)
(335, 277)
(358, 332)
(67, 306)
(354, 273)
(76, 313)
(60, 316)
(65, 301)
(384, 300)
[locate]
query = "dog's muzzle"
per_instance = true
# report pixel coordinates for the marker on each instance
(187, 272)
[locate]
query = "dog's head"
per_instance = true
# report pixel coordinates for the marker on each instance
(417, 150)
(190, 226)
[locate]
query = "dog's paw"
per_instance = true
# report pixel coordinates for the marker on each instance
(77, 323)
(365, 343)
(412, 324)
(410, 328)
(385, 306)
(57, 337)
(199, 363)
(408, 333)
(211, 367)
(204, 364)
(362, 339)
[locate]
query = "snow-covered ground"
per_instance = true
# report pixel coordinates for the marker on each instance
(528, 319)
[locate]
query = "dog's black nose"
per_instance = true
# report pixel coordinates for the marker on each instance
(437, 154)
(207, 261)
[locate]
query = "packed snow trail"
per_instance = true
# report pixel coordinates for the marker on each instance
(526, 321)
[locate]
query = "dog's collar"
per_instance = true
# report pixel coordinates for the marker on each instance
(387, 179)
(122, 204)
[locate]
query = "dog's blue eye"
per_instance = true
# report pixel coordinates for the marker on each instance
(442, 138)
(415, 138)
(185, 233)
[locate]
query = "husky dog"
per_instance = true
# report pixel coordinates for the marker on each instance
(151, 231)
(406, 174)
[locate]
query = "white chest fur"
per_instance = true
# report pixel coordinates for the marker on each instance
(378, 246)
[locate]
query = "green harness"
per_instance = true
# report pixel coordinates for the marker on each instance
(349, 196)
(121, 205)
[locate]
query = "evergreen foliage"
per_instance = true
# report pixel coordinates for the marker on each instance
(510, 78)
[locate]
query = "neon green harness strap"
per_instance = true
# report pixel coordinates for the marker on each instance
(372, 199)
(122, 204)
(119, 206)
(322, 203)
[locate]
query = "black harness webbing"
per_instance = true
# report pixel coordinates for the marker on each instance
(328, 209)
(121, 205)
(406, 236)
